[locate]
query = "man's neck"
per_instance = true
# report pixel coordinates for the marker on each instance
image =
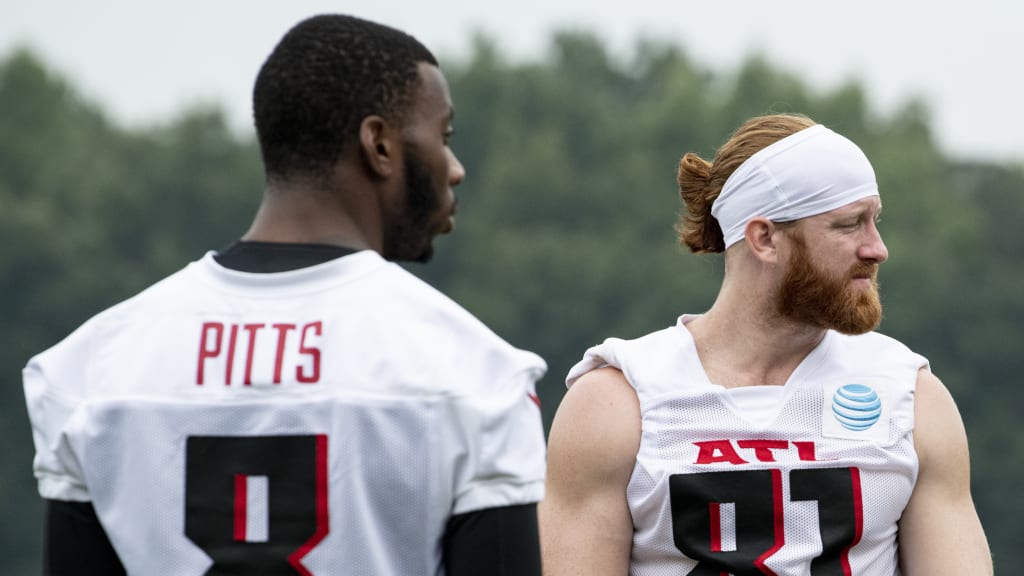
(743, 347)
(290, 213)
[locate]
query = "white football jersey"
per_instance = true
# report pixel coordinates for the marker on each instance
(806, 479)
(326, 420)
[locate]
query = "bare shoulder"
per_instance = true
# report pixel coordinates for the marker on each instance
(597, 425)
(938, 429)
(930, 388)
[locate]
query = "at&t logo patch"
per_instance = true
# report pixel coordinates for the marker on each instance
(855, 411)
(856, 407)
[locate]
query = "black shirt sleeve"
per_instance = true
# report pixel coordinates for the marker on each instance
(74, 543)
(496, 541)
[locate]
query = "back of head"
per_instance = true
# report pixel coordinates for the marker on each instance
(324, 76)
(700, 181)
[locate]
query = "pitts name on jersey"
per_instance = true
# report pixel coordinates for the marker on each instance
(241, 353)
(745, 451)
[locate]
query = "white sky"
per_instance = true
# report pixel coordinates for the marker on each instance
(144, 62)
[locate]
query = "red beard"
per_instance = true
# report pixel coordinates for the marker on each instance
(812, 296)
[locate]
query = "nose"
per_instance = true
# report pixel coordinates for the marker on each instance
(873, 249)
(456, 172)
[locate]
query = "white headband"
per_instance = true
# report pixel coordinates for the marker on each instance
(810, 172)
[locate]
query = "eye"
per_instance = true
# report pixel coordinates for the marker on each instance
(448, 134)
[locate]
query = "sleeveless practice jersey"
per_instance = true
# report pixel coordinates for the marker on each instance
(327, 420)
(806, 479)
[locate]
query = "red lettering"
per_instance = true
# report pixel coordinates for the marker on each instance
(763, 448)
(204, 351)
(251, 329)
(219, 341)
(715, 451)
(282, 335)
(312, 351)
(805, 450)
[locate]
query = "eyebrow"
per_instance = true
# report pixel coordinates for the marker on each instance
(866, 212)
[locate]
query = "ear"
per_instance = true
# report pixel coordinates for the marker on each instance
(761, 239)
(378, 145)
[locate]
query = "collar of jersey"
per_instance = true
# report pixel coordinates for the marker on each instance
(308, 279)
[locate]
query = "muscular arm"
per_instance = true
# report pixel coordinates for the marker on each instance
(940, 533)
(585, 524)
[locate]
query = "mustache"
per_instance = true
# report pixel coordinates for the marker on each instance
(865, 270)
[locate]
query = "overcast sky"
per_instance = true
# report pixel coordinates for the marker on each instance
(145, 61)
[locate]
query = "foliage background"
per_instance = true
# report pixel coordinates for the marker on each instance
(565, 232)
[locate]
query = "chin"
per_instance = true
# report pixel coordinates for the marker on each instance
(422, 253)
(426, 256)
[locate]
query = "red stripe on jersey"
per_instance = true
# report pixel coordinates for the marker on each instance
(241, 506)
(780, 529)
(535, 398)
(858, 512)
(322, 525)
(715, 509)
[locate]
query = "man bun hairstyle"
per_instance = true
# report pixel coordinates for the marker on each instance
(325, 76)
(700, 181)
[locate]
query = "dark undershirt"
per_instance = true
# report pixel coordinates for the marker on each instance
(495, 542)
(264, 257)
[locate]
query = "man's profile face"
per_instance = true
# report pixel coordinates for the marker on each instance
(832, 299)
(426, 206)
(411, 238)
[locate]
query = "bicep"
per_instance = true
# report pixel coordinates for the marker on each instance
(940, 532)
(586, 527)
(74, 542)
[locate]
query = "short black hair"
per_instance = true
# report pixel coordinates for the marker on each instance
(325, 75)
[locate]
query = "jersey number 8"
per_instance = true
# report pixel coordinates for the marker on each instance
(256, 505)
